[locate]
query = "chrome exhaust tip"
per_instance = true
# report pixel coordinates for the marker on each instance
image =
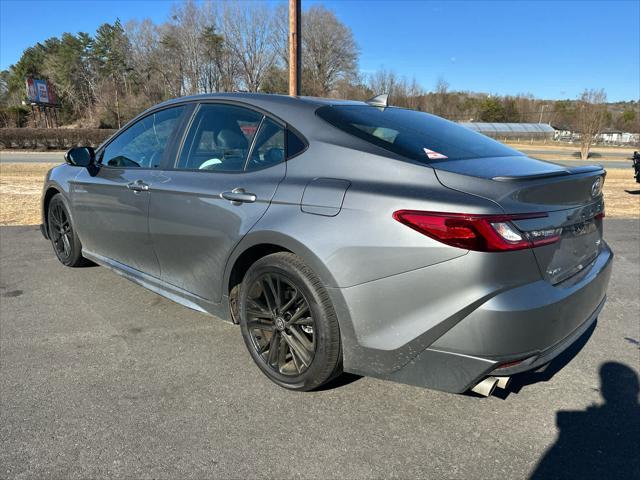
(503, 382)
(486, 386)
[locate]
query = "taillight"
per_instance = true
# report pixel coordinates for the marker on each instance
(482, 233)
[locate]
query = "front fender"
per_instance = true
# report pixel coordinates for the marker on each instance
(57, 181)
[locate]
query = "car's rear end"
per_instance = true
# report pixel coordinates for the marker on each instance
(558, 216)
(532, 277)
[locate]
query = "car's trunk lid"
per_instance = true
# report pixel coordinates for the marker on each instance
(571, 198)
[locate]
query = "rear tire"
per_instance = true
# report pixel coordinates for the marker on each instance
(64, 239)
(288, 323)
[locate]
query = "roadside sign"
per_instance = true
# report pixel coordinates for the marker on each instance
(40, 91)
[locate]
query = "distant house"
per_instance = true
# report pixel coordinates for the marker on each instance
(618, 137)
(609, 136)
(564, 133)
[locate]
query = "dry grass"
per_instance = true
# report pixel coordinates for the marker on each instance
(572, 148)
(557, 152)
(620, 201)
(20, 190)
(21, 187)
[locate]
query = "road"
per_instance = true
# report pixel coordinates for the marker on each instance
(13, 156)
(102, 378)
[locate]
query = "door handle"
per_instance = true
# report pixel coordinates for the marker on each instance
(138, 186)
(238, 196)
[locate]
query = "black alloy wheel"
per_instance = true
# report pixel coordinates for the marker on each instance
(280, 324)
(288, 323)
(60, 230)
(64, 239)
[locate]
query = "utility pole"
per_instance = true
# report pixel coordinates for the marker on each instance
(294, 47)
(541, 112)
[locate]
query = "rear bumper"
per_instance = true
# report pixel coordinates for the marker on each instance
(457, 373)
(532, 322)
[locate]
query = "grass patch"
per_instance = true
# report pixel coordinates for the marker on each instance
(20, 191)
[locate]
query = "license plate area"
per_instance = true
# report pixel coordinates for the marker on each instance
(579, 245)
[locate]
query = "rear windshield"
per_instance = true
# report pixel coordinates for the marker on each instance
(415, 135)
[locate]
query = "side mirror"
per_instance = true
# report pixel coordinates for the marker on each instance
(80, 157)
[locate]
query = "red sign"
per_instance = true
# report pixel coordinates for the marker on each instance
(40, 91)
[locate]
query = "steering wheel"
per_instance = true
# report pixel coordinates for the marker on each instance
(210, 164)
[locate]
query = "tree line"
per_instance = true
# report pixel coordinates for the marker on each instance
(104, 79)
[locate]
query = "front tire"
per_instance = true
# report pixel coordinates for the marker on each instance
(64, 239)
(288, 323)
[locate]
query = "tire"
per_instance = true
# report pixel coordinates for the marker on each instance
(64, 239)
(288, 323)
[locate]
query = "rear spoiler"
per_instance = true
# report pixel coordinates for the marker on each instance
(557, 173)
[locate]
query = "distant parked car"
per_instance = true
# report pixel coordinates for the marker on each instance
(343, 236)
(636, 166)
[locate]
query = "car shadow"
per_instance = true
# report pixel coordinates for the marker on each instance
(544, 374)
(340, 381)
(601, 441)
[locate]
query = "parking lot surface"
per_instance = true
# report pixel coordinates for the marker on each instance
(102, 378)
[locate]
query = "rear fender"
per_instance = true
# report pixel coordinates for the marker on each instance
(261, 237)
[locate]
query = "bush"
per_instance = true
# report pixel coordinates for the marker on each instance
(52, 138)
(15, 116)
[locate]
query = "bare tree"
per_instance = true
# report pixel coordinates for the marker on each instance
(249, 33)
(146, 60)
(414, 94)
(441, 97)
(329, 52)
(187, 20)
(281, 34)
(383, 81)
(591, 115)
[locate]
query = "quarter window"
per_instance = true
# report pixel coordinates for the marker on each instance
(295, 145)
(219, 138)
(269, 146)
(142, 145)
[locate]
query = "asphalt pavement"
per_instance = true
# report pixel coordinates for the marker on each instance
(102, 378)
(16, 156)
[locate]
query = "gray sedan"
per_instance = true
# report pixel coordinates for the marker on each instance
(343, 236)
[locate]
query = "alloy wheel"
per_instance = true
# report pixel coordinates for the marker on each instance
(280, 324)
(60, 230)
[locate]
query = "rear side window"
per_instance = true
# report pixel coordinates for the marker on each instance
(219, 138)
(268, 149)
(415, 135)
(295, 145)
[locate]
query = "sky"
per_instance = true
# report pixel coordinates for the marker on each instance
(553, 50)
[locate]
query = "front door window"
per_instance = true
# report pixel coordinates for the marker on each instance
(143, 144)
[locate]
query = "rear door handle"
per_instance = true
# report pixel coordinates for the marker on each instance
(138, 186)
(238, 196)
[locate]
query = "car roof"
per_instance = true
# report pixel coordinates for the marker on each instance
(264, 99)
(298, 111)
